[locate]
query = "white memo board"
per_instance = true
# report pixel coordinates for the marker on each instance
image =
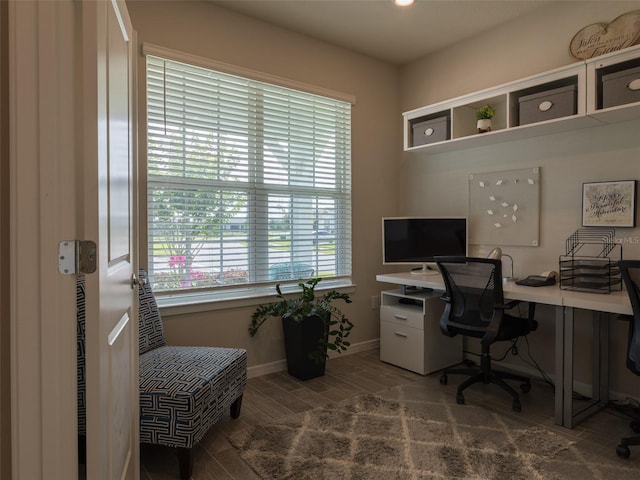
(504, 207)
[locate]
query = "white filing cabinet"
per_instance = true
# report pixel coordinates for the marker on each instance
(410, 335)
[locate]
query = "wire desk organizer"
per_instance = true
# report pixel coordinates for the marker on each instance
(590, 263)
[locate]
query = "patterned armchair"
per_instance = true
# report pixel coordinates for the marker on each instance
(184, 391)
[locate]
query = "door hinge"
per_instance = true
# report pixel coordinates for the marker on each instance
(77, 256)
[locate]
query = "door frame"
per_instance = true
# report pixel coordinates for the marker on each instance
(45, 143)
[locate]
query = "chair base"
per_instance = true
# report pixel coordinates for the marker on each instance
(485, 374)
(623, 450)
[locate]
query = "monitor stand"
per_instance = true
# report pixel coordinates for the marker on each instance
(425, 270)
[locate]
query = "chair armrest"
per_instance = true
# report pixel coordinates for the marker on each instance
(445, 298)
(508, 305)
(493, 329)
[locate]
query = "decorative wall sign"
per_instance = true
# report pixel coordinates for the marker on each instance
(504, 207)
(600, 38)
(610, 204)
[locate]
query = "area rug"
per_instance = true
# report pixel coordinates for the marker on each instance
(371, 438)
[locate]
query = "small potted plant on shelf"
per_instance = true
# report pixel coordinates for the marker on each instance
(311, 325)
(484, 115)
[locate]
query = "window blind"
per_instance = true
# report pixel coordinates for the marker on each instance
(248, 182)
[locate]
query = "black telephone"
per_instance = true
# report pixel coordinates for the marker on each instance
(545, 278)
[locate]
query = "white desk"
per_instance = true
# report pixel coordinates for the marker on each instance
(565, 302)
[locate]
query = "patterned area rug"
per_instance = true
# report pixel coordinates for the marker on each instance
(375, 438)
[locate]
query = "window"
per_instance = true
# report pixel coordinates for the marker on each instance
(248, 182)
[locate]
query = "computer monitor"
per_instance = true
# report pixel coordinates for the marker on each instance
(416, 240)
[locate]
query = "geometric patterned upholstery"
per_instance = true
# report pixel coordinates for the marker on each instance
(183, 390)
(186, 390)
(81, 367)
(150, 328)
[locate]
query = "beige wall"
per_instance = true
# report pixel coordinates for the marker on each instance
(208, 31)
(534, 44)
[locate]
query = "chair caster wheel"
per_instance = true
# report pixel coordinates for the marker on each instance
(443, 379)
(460, 399)
(516, 407)
(635, 426)
(525, 387)
(623, 451)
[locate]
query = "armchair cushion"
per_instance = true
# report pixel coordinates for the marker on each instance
(186, 390)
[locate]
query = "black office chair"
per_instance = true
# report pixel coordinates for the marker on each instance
(630, 271)
(475, 308)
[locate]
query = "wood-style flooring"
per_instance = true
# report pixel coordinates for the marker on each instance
(270, 397)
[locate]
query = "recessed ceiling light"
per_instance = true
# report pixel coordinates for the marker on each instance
(403, 3)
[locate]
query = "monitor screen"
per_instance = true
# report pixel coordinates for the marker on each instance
(416, 240)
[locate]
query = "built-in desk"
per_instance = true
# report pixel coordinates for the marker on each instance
(565, 302)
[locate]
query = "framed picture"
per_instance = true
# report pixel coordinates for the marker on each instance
(609, 204)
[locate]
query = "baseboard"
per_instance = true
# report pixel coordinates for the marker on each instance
(266, 368)
(357, 348)
(281, 365)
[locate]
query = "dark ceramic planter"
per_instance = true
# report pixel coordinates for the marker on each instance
(300, 339)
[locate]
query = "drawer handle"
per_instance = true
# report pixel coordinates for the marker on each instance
(400, 334)
(429, 131)
(545, 106)
(634, 85)
(400, 317)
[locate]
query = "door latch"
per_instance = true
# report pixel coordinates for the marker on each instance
(77, 256)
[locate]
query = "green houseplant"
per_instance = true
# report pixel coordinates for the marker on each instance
(484, 115)
(312, 326)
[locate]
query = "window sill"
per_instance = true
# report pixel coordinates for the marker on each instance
(178, 304)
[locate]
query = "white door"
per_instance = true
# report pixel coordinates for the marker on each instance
(109, 214)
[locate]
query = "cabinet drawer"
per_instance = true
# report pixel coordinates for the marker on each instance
(402, 346)
(411, 317)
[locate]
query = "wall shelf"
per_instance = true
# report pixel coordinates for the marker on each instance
(585, 78)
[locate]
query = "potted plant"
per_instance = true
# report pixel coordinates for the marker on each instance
(484, 115)
(311, 325)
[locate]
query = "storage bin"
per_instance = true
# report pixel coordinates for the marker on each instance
(430, 131)
(622, 87)
(547, 105)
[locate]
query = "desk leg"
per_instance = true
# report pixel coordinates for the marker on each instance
(600, 354)
(559, 389)
(567, 371)
(600, 369)
(604, 358)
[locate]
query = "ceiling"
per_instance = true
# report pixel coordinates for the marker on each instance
(382, 30)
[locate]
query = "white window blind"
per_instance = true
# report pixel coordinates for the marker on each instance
(248, 182)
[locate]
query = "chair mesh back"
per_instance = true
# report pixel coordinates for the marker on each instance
(150, 326)
(630, 270)
(474, 292)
